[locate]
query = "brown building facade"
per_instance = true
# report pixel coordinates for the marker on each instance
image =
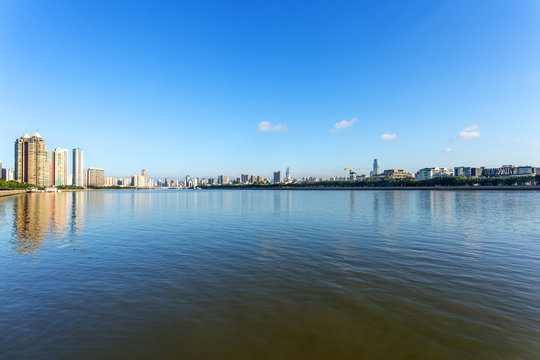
(31, 160)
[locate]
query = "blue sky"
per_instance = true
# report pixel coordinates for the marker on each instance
(205, 87)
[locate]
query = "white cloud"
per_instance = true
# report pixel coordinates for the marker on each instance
(343, 124)
(536, 145)
(469, 133)
(387, 137)
(446, 150)
(267, 126)
(471, 128)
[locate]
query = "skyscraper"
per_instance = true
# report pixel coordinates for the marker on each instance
(31, 160)
(376, 168)
(59, 167)
(144, 174)
(287, 175)
(78, 170)
(278, 176)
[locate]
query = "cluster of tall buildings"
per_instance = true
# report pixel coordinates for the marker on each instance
(6, 174)
(139, 180)
(35, 164)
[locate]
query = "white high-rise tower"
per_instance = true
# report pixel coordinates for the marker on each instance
(60, 167)
(78, 170)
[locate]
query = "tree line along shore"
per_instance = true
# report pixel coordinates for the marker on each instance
(444, 181)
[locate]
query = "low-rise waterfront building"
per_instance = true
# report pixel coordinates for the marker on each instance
(430, 173)
(467, 171)
(509, 170)
(426, 173)
(395, 174)
(444, 172)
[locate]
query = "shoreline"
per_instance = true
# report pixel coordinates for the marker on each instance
(398, 188)
(4, 193)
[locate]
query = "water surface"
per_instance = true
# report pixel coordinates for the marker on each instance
(270, 275)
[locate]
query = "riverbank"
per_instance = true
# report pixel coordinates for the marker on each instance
(400, 188)
(11, 192)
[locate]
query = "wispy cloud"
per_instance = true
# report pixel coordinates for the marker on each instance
(469, 132)
(471, 128)
(387, 137)
(267, 126)
(446, 150)
(343, 124)
(536, 145)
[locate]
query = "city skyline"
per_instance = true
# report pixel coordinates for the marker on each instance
(39, 166)
(447, 83)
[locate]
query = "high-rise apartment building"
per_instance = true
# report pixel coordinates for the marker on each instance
(223, 179)
(7, 174)
(78, 170)
(95, 177)
(144, 174)
(31, 160)
(278, 176)
(110, 181)
(138, 181)
(59, 167)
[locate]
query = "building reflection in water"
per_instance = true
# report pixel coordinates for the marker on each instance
(78, 208)
(282, 202)
(38, 218)
(31, 221)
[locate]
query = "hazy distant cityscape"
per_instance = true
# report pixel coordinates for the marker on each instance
(36, 165)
